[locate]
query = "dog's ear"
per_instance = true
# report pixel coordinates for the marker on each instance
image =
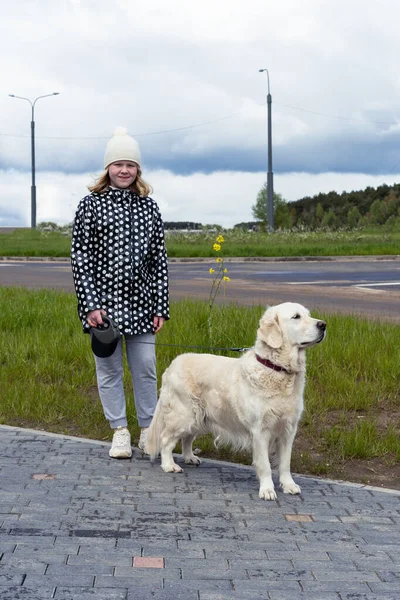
(270, 331)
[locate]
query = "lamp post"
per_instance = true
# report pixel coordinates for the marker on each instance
(33, 186)
(270, 175)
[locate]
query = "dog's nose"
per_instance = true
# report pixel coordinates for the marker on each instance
(321, 325)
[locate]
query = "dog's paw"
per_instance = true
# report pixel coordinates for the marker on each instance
(291, 488)
(267, 494)
(192, 460)
(174, 468)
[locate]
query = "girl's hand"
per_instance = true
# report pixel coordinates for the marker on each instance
(94, 317)
(158, 322)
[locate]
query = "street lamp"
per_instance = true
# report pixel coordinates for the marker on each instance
(33, 187)
(270, 176)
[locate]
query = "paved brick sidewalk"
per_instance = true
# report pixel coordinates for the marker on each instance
(77, 525)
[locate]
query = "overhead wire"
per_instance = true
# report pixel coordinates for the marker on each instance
(210, 122)
(336, 116)
(50, 137)
(202, 124)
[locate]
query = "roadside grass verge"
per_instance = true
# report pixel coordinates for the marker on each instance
(28, 242)
(352, 397)
(287, 243)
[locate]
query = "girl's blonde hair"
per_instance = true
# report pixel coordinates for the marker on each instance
(139, 186)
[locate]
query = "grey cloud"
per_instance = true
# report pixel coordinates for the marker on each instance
(160, 68)
(351, 154)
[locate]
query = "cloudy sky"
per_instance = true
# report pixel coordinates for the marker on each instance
(183, 77)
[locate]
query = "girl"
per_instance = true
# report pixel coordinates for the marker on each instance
(119, 266)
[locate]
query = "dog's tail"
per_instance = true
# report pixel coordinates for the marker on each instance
(153, 441)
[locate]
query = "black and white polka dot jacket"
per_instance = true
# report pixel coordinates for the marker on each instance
(119, 260)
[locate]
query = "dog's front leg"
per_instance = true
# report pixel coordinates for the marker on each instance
(262, 465)
(285, 453)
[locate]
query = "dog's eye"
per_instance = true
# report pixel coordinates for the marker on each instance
(296, 316)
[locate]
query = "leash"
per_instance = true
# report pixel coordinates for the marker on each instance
(109, 326)
(196, 347)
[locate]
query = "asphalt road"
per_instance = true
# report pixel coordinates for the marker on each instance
(361, 286)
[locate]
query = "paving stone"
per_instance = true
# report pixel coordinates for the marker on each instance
(220, 572)
(335, 574)
(308, 555)
(111, 559)
(36, 592)
(77, 570)
(15, 564)
(171, 554)
(384, 588)
(369, 596)
(89, 593)
(230, 555)
(69, 580)
(287, 595)
(75, 536)
(386, 575)
(279, 565)
(202, 563)
(354, 587)
(6, 547)
(257, 585)
(215, 544)
(7, 578)
(37, 540)
(146, 573)
(280, 574)
(42, 555)
(231, 595)
(195, 584)
(149, 562)
(144, 593)
(150, 579)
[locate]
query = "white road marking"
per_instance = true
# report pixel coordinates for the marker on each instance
(344, 281)
(54, 267)
(377, 284)
(319, 281)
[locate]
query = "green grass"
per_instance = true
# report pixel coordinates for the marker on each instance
(364, 441)
(28, 242)
(33, 242)
(352, 398)
(307, 243)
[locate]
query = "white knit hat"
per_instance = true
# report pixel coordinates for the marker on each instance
(122, 147)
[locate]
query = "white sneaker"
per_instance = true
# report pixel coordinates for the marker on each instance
(143, 440)
(121, 444)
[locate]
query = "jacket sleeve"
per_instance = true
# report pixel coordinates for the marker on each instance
(159, 267)
(83, 260)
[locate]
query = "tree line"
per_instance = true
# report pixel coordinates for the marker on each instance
(363, 208)
(189, 225)
(369, 207)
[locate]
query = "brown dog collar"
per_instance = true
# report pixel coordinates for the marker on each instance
(271, 365)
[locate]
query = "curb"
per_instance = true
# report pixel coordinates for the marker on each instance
(227, 258)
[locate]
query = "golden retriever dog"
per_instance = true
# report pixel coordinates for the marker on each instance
(253, 402)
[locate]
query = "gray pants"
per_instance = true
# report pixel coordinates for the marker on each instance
(142, 365)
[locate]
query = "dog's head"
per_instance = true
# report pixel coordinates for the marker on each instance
(291, 323)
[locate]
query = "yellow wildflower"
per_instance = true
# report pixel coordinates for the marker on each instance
(219, 278)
